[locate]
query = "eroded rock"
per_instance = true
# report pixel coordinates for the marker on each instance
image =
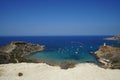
(15, 51)
(109, 56)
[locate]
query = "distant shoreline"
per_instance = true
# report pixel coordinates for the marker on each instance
(113, 38)
(53, 35)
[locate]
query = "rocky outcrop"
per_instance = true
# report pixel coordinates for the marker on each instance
(15, 51)
(113, 38)
(109, 56)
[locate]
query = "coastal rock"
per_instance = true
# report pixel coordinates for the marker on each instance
(4, 57)
(113, 38)
(15, 51)
(109, 56)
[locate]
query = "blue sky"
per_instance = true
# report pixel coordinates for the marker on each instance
(59, 17)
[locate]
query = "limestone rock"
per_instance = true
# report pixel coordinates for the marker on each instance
(109, 56)
(15, 51)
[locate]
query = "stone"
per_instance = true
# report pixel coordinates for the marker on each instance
(15, 51)
(20, 74)
(109, 56)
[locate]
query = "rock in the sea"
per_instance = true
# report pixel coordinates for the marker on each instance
(15, 51)
(109, 56)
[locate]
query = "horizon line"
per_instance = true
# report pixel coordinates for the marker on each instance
(50, 35)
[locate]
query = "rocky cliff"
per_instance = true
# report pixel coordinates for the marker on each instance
(15, 51)
(109, 56)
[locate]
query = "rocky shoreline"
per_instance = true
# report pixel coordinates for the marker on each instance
(109, 56)
(15, 52)
(113, 38)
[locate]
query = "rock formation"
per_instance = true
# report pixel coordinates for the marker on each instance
(109, 56)
(15, 51)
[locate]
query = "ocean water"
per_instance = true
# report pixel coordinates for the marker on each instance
(64, 48)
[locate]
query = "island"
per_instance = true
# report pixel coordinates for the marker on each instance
(117, 37)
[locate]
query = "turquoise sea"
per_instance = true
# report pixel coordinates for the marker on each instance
(64, 48)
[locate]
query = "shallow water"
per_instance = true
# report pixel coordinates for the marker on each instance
(64, 48)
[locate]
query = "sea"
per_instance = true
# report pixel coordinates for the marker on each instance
(64, 48)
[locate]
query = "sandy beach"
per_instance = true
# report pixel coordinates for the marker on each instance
(42, 71)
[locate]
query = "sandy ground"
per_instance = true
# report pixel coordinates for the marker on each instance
(42, 71)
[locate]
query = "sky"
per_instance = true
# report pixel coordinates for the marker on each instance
(59, 17)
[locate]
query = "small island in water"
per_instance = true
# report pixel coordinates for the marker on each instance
(113, 38)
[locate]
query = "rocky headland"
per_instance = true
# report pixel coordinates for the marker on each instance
(15, 52)
(109, 56)
(113, 38)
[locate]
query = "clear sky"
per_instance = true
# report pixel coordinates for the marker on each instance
(59, 17)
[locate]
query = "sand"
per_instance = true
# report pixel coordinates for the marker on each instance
(42, 71)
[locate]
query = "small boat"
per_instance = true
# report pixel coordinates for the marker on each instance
(76, 52)
(91, 47)
(91, 52)
(81, 46)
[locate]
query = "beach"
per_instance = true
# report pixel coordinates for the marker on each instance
(42, 71)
